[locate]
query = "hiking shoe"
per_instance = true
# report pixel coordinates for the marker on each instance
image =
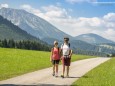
(53, 74)
(62, 76)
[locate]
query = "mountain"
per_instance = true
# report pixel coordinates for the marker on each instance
(78, 44)
(32, 24)
(51, 40)
(108, 45)
(11, 31)
(92, 38)
(42, 29)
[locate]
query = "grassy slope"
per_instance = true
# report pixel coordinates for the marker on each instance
(103, 75)
(15, 62)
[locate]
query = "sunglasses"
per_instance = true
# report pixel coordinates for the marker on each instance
(66, 39)
(56, 43)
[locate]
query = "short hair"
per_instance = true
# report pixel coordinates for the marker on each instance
(66, 38)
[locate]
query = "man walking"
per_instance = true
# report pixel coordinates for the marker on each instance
(66, 56)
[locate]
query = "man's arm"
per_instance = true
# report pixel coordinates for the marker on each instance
(70, 53)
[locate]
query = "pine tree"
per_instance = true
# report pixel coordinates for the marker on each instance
(11, 43)
(4, 43)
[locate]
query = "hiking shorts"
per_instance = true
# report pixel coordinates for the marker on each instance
(66, 61)
(55, 62)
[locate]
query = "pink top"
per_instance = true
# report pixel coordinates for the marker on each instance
(55, 54)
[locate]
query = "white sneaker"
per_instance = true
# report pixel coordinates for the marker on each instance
(56, 75)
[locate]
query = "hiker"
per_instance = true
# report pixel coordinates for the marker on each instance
(66, 56)
(55, 58)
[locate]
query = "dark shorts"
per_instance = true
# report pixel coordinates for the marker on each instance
(66, 61)
(55, 62)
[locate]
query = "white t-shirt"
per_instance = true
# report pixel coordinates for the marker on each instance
(65, 48)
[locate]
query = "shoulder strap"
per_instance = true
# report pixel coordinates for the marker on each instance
(68, 44)
(58, 49)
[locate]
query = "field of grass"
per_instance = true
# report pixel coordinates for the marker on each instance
(14, 62)
(103, 75)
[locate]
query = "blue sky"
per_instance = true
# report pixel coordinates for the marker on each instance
(80, 8)
(74, 17)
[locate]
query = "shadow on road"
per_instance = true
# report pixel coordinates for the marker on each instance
(73, 77)
(78, 77)
(85, 76)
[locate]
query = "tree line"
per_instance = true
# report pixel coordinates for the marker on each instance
(34, 45)
(24, 44)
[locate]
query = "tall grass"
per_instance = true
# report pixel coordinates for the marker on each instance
(14, 62)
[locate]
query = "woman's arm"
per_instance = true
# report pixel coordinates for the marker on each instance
(51, 54)
(60, 53)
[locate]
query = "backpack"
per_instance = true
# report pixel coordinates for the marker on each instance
(68, 45)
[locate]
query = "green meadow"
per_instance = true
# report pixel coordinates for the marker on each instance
(14, 62)
(103, 75)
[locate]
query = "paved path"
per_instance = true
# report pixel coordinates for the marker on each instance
(44, 77)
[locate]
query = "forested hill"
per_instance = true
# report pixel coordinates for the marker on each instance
(11, 36)
(11, 31)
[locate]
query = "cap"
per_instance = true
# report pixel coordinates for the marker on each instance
(66, 38)
(55, 42)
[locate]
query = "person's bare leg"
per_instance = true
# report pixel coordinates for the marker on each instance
(56, 69)
(67, 71)
(63, 69)
(53, 69)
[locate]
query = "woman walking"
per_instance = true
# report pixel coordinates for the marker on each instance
(55, 58)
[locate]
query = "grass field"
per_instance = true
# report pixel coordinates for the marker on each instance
(103, 75)
(14, 62)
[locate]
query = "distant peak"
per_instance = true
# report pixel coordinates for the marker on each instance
(3, 8)
(89, 34)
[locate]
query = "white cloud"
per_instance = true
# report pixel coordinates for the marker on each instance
(104, 3)
(30, 9)
(96, 2)
(55, 11)
(4, 5)
(110, 17)
(59, 17)
(109, 34)
(80, 1)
